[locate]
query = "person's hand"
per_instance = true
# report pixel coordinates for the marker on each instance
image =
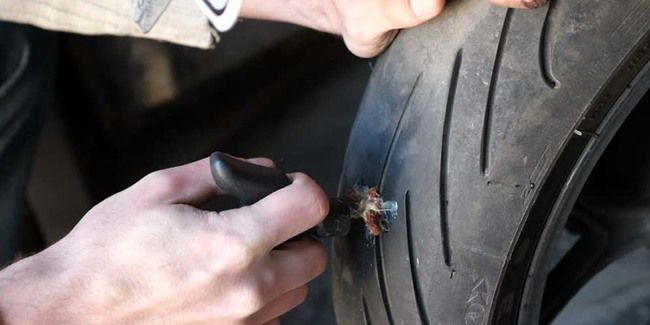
(148, 255)
(367, 26)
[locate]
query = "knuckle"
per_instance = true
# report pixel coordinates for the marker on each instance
(160, 183)
(269, 278)
(360, 33)
(300, 177)
(250, 301)
(154, 178)
(240, 254)
(357, 32)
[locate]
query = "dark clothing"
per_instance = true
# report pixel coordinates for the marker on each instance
(26, 79)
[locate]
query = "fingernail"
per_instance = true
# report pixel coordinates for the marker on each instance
(422, 8)
(533, 4)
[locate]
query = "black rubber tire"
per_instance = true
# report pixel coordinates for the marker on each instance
(480, 124)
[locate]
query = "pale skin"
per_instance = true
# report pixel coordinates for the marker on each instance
(149, 255)
(367, 26)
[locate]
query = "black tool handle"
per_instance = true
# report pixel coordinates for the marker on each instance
(245, 181)
(250, 183)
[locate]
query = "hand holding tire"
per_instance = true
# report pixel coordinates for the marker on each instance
(369, 26)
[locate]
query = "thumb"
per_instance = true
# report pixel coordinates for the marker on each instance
(283, 214)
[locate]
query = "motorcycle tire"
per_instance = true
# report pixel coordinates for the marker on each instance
(484, 125)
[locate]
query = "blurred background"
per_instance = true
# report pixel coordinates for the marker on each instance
(124, 107)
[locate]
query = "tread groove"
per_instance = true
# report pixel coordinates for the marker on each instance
(396, 132)
(379, 254)
(378, 245)
(487, 119)
(544, 51)
(366, 314)
(422, 311)
(444, 162)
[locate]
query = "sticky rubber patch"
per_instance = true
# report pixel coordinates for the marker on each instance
(368, 205)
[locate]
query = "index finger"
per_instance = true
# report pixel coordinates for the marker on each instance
(187, 184)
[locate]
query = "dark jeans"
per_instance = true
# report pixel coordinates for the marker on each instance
(27, 62)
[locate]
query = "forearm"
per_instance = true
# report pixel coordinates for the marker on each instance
(315, 14)
(26, 291)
